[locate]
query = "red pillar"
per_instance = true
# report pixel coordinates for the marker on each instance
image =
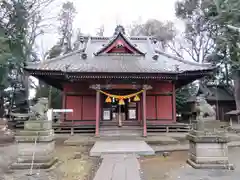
(97, 113)
(174, 103)
(144, 114)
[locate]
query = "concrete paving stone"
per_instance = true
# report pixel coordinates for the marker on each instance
(118, 167)
(105, 170)
(133, 169)
(118, 147)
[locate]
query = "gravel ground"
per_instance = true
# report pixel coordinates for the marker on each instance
(67, 168)
(174, 167)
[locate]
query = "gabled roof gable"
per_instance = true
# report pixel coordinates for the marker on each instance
(119, 44)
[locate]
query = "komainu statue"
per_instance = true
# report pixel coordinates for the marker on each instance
(204, 110)
(39, 110)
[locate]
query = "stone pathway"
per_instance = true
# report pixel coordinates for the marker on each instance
(120, 159)
(119, 167)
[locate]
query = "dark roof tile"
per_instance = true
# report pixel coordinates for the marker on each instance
(118, 62)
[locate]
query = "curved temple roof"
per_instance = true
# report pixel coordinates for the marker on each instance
(145, 59)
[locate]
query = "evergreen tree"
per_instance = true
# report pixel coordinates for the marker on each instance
(19, 27)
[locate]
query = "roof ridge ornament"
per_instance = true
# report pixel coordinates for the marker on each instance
(119, 29)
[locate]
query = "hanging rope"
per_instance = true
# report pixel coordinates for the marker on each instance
(121, 97)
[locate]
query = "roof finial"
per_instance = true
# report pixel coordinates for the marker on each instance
(119, 29)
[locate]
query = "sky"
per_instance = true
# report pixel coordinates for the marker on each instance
(92, 14)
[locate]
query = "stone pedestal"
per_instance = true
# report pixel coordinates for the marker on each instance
(208, 147)
(6, 135)
(43, 150)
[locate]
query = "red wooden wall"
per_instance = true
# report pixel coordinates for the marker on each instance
(161, 103)
(84, 107)
(83, 102)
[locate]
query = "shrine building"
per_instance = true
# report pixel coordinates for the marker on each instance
(119, 80)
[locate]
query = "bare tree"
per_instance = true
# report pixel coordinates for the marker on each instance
(163, 32)
(197, 40)
(196, 46)
(66, 18)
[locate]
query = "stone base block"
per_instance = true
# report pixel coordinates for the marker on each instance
(208, 151)
(36, 125)
(39, 149)
(29, 139)
(201, 137)
(210, 165)
(48, 132)
(38, 158)
(42, 165)
(208, 159)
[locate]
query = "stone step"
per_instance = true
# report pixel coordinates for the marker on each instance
(127, 123)
(121, 132)
(126, 137)
(121, 147)
(106, 128)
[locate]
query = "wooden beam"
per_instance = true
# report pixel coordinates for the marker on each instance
(95, 86)
(146, 87)
(120, 86)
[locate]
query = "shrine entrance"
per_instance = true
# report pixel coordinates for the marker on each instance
(119, 106)
(119, 111)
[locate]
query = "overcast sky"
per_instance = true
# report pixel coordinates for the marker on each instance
(91, 14)
(94, 13)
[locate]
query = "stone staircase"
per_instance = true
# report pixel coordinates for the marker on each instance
(115, 131)
(115, 123)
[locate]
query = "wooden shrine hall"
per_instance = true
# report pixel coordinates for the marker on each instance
(119, 79)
